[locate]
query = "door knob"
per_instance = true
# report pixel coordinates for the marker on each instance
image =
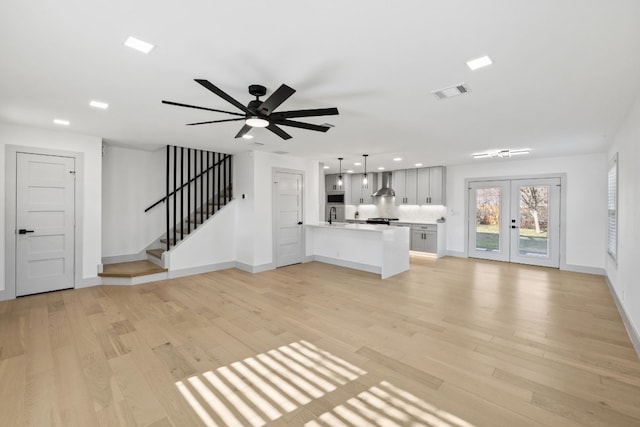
(25, 231)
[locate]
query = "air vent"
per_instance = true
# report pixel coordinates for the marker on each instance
(280, 152)
(450, 92)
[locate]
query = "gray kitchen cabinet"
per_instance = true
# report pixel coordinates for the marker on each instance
(405, 184)
(361, 194)
(431, 186)
(424, 238)
(331, 182)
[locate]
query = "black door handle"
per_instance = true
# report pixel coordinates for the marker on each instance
(299, 222)
(24, 231)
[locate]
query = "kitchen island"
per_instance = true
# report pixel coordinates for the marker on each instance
(377, 249)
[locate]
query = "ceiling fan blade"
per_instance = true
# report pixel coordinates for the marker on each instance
(275, 129)
(223, 95)
(245, 129)
(215, 121)
(200, 108)
(278, 97)
(305, 113)
(301, 125)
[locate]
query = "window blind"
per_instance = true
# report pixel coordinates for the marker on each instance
(612, 208)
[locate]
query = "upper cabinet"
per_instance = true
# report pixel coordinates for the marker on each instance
(362, 194)
(431, 186)
(405, 183)
(332, 182)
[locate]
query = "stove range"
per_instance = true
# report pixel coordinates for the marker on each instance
(385, 221)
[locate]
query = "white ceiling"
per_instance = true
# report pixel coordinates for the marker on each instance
(565, 73)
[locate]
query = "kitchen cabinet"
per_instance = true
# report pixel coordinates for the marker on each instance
(331, 182)
(405, 183)
(424, 238)
(431, 186)
(361, 194)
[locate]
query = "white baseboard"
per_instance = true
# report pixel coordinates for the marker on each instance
(583, 269)
(140, 256)
(201, 269)
(631, 330)
(349, 264)
(131, 281)
(88, 282)
(457, 254)
(254, 268)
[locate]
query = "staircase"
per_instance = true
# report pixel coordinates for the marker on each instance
(198, 185)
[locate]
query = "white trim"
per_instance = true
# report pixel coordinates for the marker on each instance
(254, 268)
(10, 213)
(628, 324)
(140, 256)
(457, 254)
(201, 269)
(583, 269)
(132, 281)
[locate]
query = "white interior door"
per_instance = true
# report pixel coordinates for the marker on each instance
(515, 221)
(288, 216)
(45, 223)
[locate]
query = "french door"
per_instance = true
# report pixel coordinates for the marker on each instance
(515, 220)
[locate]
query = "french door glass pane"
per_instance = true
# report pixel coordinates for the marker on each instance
(488, 219)
(534, 221)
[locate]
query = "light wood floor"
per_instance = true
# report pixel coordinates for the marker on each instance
(451, 343)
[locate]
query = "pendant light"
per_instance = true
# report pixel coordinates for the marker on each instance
(365, 180)
(340, 175)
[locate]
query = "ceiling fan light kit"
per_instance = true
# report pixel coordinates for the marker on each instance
(259, 113)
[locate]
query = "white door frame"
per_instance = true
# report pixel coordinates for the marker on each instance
(563, 208)
(10, 212)
(274, 213)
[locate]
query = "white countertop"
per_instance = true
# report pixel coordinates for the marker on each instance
(401, 221)
(352, 226)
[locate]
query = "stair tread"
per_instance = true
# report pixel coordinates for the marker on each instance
(131, 269)
(156, 252)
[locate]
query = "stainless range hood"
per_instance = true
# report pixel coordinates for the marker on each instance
(385, 190)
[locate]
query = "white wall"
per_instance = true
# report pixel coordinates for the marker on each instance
(212, 245)
(625, 276)
(585, 191)
(91, 148)
(253, 177)
(131, 181)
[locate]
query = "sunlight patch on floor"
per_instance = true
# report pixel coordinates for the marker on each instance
(388, 406)
(259, 389)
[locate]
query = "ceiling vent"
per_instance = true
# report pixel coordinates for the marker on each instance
(450, 92)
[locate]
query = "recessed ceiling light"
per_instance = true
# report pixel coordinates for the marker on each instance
(397, 159)
(418, 165)
(483, 61)
(357, 164)
(61, 122)
(138, 45)
(350, 171)
(98, 104)
(381, 168)
(326, 167)
(247, 136)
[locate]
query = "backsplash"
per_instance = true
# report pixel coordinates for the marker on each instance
(385, 208)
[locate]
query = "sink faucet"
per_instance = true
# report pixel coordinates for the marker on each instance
(333, 211)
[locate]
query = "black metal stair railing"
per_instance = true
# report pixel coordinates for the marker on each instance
(198, 186)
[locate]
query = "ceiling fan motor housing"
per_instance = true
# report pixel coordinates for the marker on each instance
(257, 90)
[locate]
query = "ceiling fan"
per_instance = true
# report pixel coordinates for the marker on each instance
(261, 113)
